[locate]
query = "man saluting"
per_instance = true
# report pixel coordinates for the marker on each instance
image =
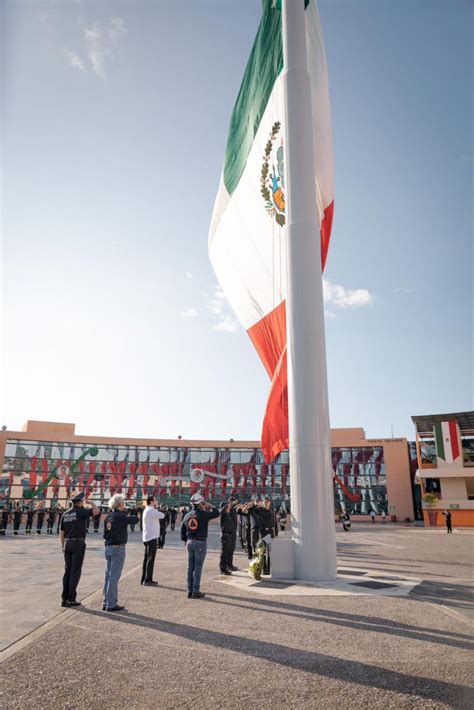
(73, 543)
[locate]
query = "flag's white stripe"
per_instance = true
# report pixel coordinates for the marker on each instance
(246, 245)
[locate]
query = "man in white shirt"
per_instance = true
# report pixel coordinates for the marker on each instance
(151, 531)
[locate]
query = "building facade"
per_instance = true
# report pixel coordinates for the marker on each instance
(49, 461)
(445, 451)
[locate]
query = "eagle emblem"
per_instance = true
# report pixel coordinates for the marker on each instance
(272, 182)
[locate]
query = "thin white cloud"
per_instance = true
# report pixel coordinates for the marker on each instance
(218, 303)
(404, 290)
(188, 275)
(117, 28)
(73, 60)
(189, 313)
(220, 312)
(100, 42)
(96, 49)
(228, 324)
(341, 297)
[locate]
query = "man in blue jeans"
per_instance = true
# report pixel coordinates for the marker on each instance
(194, 534)
(116, 536)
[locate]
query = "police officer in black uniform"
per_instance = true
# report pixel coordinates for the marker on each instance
(5, 518)
(73, 543)
(228, 529)
(29, 519)
(16, 518)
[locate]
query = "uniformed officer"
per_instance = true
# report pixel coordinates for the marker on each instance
(116, 536)
(5, 518)
(16, 518)
(228, 530)
(194, 534)
(73, 543)
(29, 519)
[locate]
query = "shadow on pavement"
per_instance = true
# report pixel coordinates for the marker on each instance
(356, 621)
(454, 595)
(317, 663)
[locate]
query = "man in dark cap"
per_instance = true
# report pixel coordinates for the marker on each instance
(227, 533)
(73, 543)
(194, 534)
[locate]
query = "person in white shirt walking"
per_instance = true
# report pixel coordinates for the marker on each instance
(151, 531)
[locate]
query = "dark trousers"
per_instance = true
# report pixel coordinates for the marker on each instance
(29, 523)
(254, 538)
(4, 523)
(16, 523)
(234, 543)
(96, 522)
(449, 526)
(39, 523)
(50, 523)
(173, 523)
(149, 560)
(162, 538)
(74, 551)
(227, 548)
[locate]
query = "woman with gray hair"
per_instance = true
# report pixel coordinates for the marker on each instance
(116, 536)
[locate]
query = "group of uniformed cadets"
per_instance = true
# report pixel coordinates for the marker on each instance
(257, 519)
(16, 512)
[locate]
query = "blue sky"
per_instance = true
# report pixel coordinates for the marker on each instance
(115, 117)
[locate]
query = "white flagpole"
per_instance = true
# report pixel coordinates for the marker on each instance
(312, 497)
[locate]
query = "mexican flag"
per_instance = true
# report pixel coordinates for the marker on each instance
(247, 245)
(447, 441)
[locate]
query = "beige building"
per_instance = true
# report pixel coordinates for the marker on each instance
(49, 461)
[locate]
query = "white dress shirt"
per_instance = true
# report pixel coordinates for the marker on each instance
(151, 523)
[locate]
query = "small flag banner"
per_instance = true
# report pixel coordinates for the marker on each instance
(447, 441)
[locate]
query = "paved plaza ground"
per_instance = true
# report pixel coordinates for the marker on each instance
(238, 648)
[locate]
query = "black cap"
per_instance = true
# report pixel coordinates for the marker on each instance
(77, 498)
(223, 505)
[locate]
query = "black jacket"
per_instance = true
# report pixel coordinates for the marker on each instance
(195, 524)
(116, 527)
(228, 522)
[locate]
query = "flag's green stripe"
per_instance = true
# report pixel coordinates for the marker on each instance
(264, 65)
(438, 429)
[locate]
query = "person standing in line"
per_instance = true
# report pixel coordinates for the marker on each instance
(228, 529)
(96, 520)
(116, 537)
(59, 511)
(173, 516)
(133, 514)
(5, 518)
(372, 515)
(29, 519)
(140, 512)
(50, 520)
(40, 518)
(194, 530)
(448, 519)
(151, 532)
(163, 526)
(233, 512)
(16, 518)
(346, 521)
(73, 544)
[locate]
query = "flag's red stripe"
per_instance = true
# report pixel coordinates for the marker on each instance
(269, 339)
(453, 435)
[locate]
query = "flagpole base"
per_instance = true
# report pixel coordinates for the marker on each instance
(283, 554)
